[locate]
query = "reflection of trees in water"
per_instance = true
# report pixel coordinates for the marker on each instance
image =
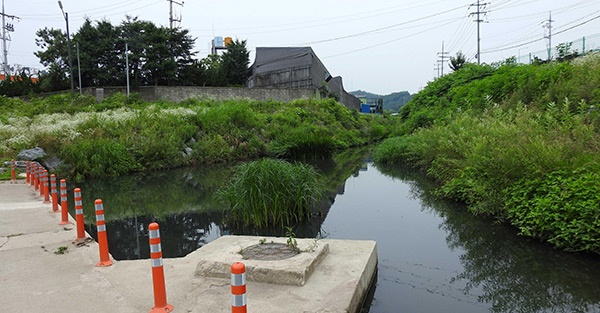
(182, 202)
(513, 273)
(180, 234)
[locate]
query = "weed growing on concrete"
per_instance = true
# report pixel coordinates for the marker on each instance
(312, 247)
(291, 239)
(61, 250)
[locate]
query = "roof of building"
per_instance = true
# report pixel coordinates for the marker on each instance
(270, 59)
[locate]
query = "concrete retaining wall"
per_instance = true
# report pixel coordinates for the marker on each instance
(180, 93)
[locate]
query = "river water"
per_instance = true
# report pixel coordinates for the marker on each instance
(434, 256)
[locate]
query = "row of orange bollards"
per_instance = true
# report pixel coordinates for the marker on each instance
(37, 177)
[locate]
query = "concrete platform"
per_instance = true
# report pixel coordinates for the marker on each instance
(217, 257)
(34, 278)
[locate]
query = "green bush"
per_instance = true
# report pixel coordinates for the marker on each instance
(475, 157)
(302, 141)
(271, 192)
(562, 208)
(159, 135)
(97, 158)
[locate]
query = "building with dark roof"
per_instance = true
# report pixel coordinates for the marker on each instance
(296, 68)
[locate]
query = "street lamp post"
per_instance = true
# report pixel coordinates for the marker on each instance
(66, 16)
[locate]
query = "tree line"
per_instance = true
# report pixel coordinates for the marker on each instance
(155, 56)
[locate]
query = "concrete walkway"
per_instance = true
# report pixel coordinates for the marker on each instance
(35, 278)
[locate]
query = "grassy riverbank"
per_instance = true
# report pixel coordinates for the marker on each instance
(519, 142)
(121, 135)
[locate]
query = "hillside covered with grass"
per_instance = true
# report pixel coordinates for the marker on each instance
(518, 142)
(121, 134)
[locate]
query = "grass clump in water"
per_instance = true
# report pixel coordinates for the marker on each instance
(271, 192)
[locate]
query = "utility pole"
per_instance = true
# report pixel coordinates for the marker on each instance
(79, 70)
(436, 69)
(548, 24)
(443, 56)
(6, 29)
(127, 67)
(171, 18)
(478, 20)
(66, 16)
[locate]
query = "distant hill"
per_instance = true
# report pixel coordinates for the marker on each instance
(392, 102)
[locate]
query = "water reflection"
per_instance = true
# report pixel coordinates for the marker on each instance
(510, 273)
(433, 255)
(182, 202)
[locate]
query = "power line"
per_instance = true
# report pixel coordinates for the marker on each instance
(542, 38)
(388, 41)
(353, 18)
(383, 28)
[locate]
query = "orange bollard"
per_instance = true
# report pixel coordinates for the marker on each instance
(79, 214)
(102, 239)
(64, 206)
(238, 287)
(32, 174)
(41, 189)
(158, 274)
(27, 169)
(54, 193)
(13, 177)
(38, 171)
(46, 193)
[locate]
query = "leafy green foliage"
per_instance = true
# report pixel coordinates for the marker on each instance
(235, 63)
(509, 142)
(271, 192)
(457, 62)
(167, 135)
(99, 157)
(561, 207)
(156, 55)
(20, 85)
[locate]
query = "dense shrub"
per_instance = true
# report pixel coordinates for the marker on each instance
(561, 207)
(513, 144)
(99, 157)
(166, 135)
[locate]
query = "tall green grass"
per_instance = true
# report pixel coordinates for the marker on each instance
(271, 192)
(167, 135)
(485, 159)
(97, 158)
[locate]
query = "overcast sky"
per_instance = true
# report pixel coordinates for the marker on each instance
(381, 46)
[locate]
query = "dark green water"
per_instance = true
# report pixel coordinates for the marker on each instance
(433, 255)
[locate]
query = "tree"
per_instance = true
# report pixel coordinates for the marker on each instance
(457, 62)
(212, 71)
(54, 57)
(99, 54)
(564, 52)
(235, 63)
(156, 55)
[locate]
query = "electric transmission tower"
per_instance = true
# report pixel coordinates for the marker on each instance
(442, 57)
(479, 15)
(171, 18)
(548, 24)
(7, 28)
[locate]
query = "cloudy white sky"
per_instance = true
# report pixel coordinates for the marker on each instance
(381, 46)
